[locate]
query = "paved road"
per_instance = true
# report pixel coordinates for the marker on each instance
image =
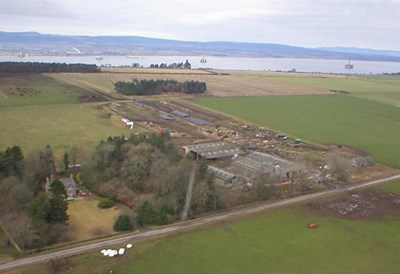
(183, 226)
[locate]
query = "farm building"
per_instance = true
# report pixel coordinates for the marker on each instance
(180, 113)
(198, 121)
(211, 151)
(256, 163)
(222, 177)
(247, 168)
(167, 117)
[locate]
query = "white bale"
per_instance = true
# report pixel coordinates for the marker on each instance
(129, 246)
(121, 251)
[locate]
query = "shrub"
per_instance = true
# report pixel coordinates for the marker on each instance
(123, 223)
(106, 203)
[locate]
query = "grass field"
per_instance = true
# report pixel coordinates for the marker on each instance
(88, 221)
(35, 89)
(384, 89)
(49, 113)
(100, 82)
(334, 119)
(217, 85)
(273, 242)
(61, 126)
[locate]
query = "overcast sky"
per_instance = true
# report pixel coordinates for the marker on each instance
(310, 23)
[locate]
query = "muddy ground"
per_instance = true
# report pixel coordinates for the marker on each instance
(92, 97)
(369, 204)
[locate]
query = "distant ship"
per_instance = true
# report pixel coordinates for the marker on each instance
(203, 60)
(21, 54)
(349, 66)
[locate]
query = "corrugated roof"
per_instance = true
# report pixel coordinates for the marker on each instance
(180, 113)
(167, 117)
(198, 121)
(215, 150)
(260, 163)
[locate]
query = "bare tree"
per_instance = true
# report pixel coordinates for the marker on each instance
(340, 167)
(74, 154)
(21, 229)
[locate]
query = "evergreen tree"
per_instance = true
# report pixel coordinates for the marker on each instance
(58, 188)
(66, 161)
(58, 210)
(123, 223)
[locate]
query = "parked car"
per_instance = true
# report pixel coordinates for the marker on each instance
(81, 194)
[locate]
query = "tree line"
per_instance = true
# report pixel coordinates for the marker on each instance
(149, 87)
(185, 65)
(148, 175)
(36, 67)
(32, 218)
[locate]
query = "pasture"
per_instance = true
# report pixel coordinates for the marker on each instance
(277, 241)
(37, 110)
(218, 84)
(35, 89)
(61, 126)
(385, 89)
(326, 119)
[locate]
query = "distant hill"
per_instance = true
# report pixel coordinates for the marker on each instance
(362, 51)
(49, 44)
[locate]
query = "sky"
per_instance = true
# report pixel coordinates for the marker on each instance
(311, 23)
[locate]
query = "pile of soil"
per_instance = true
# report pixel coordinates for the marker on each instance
(92, 97)
(364, 204)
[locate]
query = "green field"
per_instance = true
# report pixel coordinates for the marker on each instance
(37, 110)
(326, 119)
(385, 89)
(41, 90)
(273, 242)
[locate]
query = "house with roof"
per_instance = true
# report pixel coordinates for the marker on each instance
(69, 185)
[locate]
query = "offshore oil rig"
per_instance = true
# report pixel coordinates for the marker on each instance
(349, 65)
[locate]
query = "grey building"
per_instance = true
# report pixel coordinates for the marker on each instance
(211, 151)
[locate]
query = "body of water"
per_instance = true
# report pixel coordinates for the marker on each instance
(228, 63)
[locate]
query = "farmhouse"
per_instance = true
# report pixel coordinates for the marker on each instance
(69, 185)
(212, 151)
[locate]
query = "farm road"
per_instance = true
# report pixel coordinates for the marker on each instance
(179, 227)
